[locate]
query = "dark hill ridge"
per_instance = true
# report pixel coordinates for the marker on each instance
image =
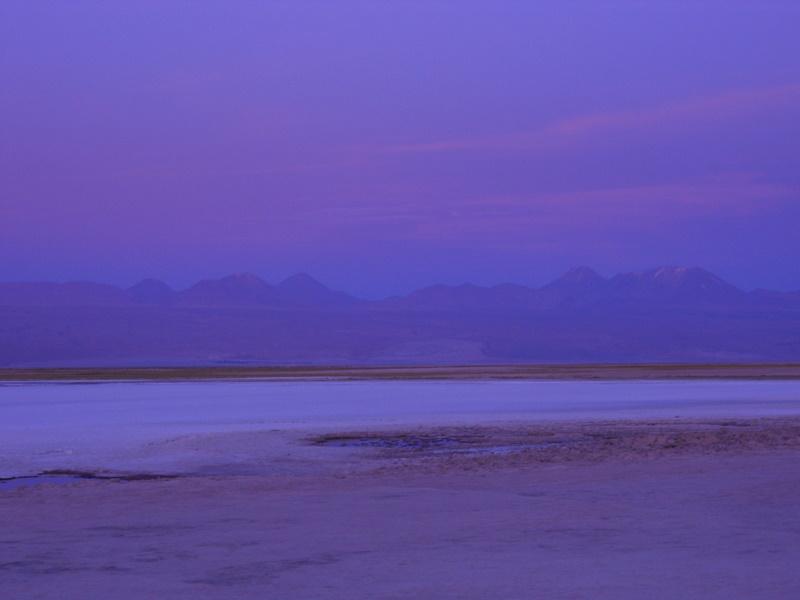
(671, 314)
(74, 293)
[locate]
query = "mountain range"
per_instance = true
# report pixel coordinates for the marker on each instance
(672, 314)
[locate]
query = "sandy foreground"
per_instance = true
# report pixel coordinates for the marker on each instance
(680, 508)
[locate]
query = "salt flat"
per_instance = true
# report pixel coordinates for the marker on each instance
(105, 426)
(404, 489)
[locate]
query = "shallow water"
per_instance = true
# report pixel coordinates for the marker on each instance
(112, 409)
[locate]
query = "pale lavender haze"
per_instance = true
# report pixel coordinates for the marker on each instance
(389, 145)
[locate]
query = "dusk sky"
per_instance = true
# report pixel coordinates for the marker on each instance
(383, 146)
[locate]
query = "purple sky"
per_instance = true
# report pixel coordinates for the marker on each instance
(384, 145)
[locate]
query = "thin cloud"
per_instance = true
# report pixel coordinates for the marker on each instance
(575, 130)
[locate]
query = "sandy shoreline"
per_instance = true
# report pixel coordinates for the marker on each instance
(556, 372)
(613, 509)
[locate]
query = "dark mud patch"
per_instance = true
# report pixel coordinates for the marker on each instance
(391, 442)
(565, 442)
(262, 572)
(434, 444)
(63, 477)
(13, 483)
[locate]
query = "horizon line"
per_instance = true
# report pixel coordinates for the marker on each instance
(464, 283)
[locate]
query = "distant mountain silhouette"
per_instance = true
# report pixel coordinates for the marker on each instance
(582, 287)
(241, 289)
(664, 314)
(578, 279)
(579, 285)
(152, 291)
(674, 284)
(302, 289)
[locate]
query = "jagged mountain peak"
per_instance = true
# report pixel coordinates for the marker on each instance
(301, 281)
(151, 291)
(671, 283)
(581, 273)
(302, 288)
(672, 276)
(235, 289)
(671, 273)
(578, 277)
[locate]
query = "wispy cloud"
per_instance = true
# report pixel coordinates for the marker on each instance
(575, 130)
(533, 219)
